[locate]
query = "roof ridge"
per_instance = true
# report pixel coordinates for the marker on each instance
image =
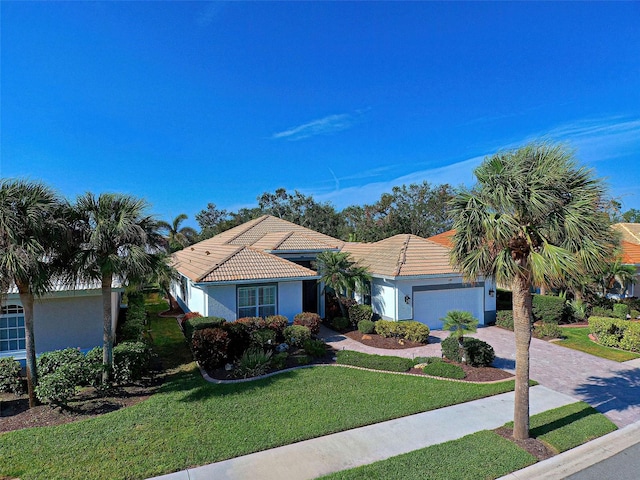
(218, 264)
(256, 221)
(286, 236)
(633, 235)
(402, 255)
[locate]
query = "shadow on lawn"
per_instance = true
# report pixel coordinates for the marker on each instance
(616, 393)
(585, 412)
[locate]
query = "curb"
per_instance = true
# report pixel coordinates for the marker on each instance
(581, 457)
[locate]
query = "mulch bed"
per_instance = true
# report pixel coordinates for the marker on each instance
(475, 374)
(377, 341)
(535, 447)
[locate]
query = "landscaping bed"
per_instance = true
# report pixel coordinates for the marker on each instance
(378, 341)
(475, 374)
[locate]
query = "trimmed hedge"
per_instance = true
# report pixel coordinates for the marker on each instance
(310, 320)
(444, 370)
(131, 362)
(620, 310)
(631, 338)
(10, 380)
(374, 362)
(548, 309)
(133, 326)
(476, 352)
(504, 319)
(198, 323)
(547, 330)
(357, 313)
(296, 335)
(340, 324)
(366, 326)
(615, 332)
(210, 346)
(409, 330)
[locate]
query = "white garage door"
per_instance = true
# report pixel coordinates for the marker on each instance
(432, 305)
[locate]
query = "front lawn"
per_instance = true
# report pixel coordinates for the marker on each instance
(191, 422)
(486, 454)
(578, 339)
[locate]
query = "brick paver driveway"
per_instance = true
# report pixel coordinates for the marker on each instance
(612, 388)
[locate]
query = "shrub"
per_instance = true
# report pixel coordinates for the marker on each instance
(548, 309)
(602, 312)
(427, 360)
(340, 324)
(10, 380)
(374, 362)
(131, 362)
(188, 316)
(277, 323)
(198, 323)
(95, 366)
(239, 338)
(252, 323)
(135, 319)
(620, 310)
(310, 320)
(302, 359)
(264, 338)
(444, 370)
(476, 352)
(253, 362)
(70, 359)
(414, 331)
(366, 326)
(635, 313)
(296, 335)
(386, 328)
(279, 360)
(57, 387)
(547, 330)
(578, 309)
(357, 313)
(210, 347)
(608, 331)
(631, 338)
(315, 348)
(504, 319)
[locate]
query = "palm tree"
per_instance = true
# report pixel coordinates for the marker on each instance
(177, 237)
(117, 241)
(617, 272)
(460, 322)
(534, 217)
(30, 226)
(338, 272)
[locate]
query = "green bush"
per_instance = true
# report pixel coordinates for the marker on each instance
(386, 328)
(548, 309)
(504, 319)
(476, 352)
(296, 335)
(315, 348)
(310, 320)
(340, 324)
(547, 330)
(94, 366)
(444, 370)
(57, 387)
(635, 314)
(620, 310)
(253, 363)
(135, 319)
(252, 323)
(631, 339)
(131, 362)
(264, 338)
(279, 360)
(366, 326)
(10, 379)
(608, 331)
(198, 323)
(414, 331)
(374, 362)
(70, 359)
(602, 312)
(357, 313)
(239, 339)
(277, 323)
(427, 360)
(188, 316)
(302, 359)
(210, 347)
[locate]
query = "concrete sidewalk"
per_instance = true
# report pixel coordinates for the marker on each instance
(320, 456)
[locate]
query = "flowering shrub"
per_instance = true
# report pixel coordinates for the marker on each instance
(310, 320)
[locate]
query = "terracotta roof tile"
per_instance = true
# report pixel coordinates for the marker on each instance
(630, 253)
(402, 255)
(445, 238)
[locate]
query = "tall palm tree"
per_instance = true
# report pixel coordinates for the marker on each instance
(533, 218)
(118, 240)
(30, 225)
(338, 272)
(178, 237)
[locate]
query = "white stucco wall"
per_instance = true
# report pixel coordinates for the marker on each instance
(289, 299)
(222, 302)
(383, 299)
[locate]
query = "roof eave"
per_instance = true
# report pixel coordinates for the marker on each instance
(255, 280)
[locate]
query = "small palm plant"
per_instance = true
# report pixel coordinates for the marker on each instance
(460, 322)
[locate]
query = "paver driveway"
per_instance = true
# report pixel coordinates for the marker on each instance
(612, 388)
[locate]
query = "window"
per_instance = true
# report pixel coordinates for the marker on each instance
(258, 301)
(12, 328)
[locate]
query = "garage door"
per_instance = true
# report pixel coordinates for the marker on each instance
(432, 305)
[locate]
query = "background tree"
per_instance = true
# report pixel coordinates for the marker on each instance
(631, 216)
(615, 271)
(342, 275)
(31, 225)
(533, 217)
(117, 240)
(211, 220)
(178, 237)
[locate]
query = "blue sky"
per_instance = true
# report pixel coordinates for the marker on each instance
(186, 103)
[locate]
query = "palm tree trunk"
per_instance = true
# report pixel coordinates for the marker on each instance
(107, 331)
(522, 330)
(26, 298)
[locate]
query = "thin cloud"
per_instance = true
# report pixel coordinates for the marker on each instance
(209, 13)
(322, 126)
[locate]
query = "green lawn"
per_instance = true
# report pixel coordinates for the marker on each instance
(486, 454)
(191, 422)
(578, 339)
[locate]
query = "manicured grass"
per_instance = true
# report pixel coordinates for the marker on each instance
(191, 422)
(374, 362)
(445, 370)
(168, 341)
(578, 339)
(486, 454)
(480, 455)
(567, 427)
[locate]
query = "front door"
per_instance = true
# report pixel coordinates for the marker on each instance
(310, 296)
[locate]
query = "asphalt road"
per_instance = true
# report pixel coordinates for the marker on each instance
(622, 466)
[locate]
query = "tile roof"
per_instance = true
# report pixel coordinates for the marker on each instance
(225, 263)
(445, 238)
(630, 253)
(60, 285)
(402, 255)
(630, 232)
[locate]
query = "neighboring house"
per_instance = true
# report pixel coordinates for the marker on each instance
(65, 317)
(630, 243)
(263, 267)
